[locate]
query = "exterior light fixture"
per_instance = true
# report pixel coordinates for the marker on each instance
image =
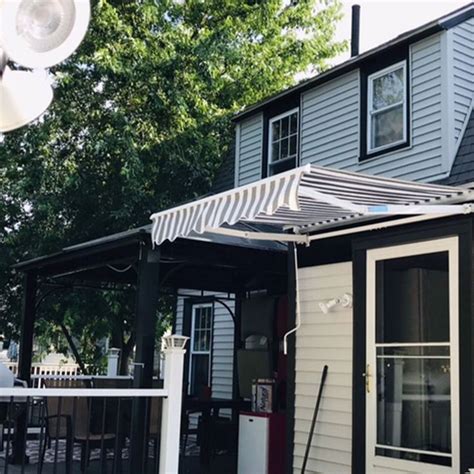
(345, 301)
(175, 341)
(35, 34)
(42, 33)
(23, 98)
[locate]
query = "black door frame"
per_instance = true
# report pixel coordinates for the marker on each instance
(462, 228)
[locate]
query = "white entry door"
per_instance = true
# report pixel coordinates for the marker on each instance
(412, 390)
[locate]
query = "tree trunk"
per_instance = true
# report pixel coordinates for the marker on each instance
(74, 350)
(127, 348)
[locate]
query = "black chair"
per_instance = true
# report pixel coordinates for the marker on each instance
(69, 419)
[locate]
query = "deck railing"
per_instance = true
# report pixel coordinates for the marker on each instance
(86, 426)
(105, 430)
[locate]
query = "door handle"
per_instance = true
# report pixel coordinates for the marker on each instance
(367, 376)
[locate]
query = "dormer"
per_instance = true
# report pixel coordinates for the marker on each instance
(399, 110)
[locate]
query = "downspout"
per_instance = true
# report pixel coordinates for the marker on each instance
(297, 304)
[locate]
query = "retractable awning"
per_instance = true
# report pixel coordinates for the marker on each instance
(306, 199)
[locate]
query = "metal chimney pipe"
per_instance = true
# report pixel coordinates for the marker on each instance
(355, 30)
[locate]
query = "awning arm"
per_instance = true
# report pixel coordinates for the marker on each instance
(412, 209)
(279, 237)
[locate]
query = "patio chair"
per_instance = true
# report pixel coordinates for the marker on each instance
(189, 426)
(86, 436)
(69, 419)
(7, 418)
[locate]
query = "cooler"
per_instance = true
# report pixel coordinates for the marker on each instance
(261, 443)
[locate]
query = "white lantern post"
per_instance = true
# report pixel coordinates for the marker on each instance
(171, 418)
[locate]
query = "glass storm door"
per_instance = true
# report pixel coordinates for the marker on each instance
(412, 407)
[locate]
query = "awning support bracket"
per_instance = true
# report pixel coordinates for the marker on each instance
(273, 236)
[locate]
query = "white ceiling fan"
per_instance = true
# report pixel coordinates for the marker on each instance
(35, 34)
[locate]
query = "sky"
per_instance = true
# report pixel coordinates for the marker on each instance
(382, 20)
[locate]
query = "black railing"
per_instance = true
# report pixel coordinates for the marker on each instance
(68, 433)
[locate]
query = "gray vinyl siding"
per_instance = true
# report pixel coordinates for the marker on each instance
(324, 339)
(249, 150)
(330, 122)
(222, 344)
(223, 350)
(463, 73)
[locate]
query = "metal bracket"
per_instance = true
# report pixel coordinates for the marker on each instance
(299, 239)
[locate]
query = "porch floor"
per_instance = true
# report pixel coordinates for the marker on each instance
(189, 464)
(224, 463)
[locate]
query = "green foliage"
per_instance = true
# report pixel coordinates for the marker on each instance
(141, 120)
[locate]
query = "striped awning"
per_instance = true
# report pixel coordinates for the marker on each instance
(307, 199)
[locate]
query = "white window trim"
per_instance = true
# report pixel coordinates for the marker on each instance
(370, 111)
(450, 245)
(192, 352)
(270, 123)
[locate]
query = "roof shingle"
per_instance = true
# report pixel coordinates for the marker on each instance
(462, 171)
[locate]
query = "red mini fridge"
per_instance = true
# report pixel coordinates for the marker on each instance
(261, 443)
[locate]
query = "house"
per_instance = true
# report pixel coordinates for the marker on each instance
(403, 110)
(345, 238)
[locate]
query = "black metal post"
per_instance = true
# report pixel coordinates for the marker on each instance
(290, 386)
(30, 285)
(145, 324)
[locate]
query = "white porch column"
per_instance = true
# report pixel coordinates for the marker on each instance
(112, 361)
(171, 416)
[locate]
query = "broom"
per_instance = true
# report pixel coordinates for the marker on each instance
(315, 415)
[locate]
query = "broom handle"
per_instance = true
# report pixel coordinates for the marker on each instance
(315, 415)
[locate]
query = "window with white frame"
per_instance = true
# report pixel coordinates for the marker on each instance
(283, 142)
(387, 108)
(200, 354)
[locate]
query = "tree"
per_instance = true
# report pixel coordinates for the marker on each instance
(141, 117)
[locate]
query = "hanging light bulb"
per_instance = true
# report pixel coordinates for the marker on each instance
(23, 97)
(42, 33)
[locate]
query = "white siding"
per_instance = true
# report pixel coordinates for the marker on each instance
(324, 339)
(223, 355)
(249, 150)
(463, 72)
(222, 344)
(330, 122)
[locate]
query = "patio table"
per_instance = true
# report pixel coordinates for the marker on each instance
(208, 408)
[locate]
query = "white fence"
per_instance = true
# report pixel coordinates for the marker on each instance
(39, 368)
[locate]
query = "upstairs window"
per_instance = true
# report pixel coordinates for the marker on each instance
(387, 108)
(283, 142)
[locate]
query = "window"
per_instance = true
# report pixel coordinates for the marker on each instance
(283, 142)
(387, 108)
(200, 355)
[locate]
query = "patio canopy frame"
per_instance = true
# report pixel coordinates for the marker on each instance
(128, 260)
